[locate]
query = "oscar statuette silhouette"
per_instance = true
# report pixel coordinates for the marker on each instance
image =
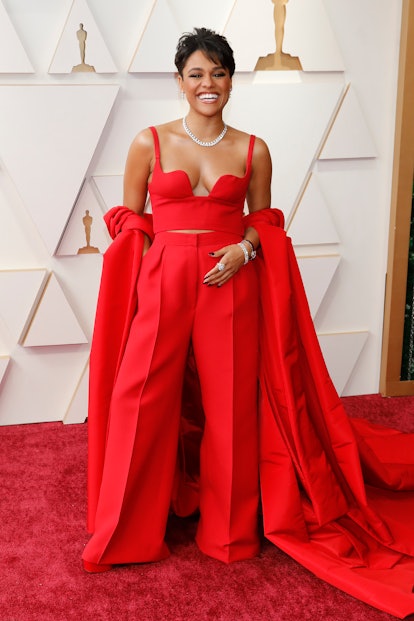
(82, 36)
(279, 61)
(87, 223)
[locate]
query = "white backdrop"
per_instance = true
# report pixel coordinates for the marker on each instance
(64, 137)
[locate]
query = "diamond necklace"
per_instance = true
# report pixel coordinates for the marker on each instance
(211, 143)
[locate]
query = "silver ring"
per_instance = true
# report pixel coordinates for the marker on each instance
(221, 267)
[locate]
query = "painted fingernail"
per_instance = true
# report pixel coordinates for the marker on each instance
(211, 254)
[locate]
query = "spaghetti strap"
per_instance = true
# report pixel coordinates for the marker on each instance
(156, 142)
(250, 154)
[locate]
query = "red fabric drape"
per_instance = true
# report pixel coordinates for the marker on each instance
(117, 303)
(328, 485)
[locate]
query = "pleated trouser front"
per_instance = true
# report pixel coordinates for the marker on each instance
(175, 308)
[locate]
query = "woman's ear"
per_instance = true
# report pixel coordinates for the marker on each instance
(180, 85)
(179, 81)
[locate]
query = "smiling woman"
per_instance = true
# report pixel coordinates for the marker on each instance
(202, 79)
(198, 290)
(176, 419)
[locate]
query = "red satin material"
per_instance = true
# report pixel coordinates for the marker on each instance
(356, 534)
(141, 447)
(116, 307)
(316, 504)
(175, 206)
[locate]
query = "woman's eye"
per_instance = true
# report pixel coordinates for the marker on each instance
(198, 76)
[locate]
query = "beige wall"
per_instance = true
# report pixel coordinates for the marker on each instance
(63, 143)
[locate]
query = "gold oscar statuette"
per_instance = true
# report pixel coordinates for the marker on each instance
(82, 36)
(87, 223)
(279, 61)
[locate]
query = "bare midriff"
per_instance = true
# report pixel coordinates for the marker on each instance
(191, 231)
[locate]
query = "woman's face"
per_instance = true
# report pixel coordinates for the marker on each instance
(206, 84)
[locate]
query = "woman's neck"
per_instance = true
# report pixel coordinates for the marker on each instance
(205, 128)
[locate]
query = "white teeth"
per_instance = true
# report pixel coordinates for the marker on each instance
(208, 96)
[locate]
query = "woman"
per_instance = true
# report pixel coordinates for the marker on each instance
(179, 294)
(197, 285)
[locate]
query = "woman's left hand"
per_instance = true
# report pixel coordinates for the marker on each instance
(232, 258)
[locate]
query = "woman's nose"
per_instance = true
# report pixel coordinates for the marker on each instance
(207, 80)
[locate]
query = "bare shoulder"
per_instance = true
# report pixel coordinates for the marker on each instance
(261, 150)
(169, 129)
(238, 136)
(259, 193)
(141, 152)
(143, 141)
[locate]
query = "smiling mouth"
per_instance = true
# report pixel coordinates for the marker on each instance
(208, 97)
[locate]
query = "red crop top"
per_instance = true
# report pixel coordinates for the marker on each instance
(175, 207)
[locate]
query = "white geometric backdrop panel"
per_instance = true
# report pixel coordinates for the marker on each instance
(4, 363)
(293, 119)
(64, 137)
(59, 127)
(308, 34)
(21, 291)
(167, 21)
(53, 322)
(81, 29)
(313, 208)
(13, 58)
(350, 137)
(85, 232)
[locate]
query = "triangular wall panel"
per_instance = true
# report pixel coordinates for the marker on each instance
(68, 54)
(341, 352)
(162, 26)
(166, 23)
(86, 219)
(13, 58)
(349, 136)
(240, 25)
(78, 408)
(253, 21)
(302, 113)
(20, 293)
(4, 347)
(54, 322)
(4, 363)
(110, 189)
(48, 174)
(308, 33)
(19, 245)
(39, 384)
(317, 273)
(312, 222)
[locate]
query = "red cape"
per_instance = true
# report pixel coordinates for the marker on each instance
(329, 485)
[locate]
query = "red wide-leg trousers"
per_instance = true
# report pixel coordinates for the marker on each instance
(174, 309)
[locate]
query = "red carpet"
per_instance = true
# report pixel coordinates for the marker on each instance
(42, 515)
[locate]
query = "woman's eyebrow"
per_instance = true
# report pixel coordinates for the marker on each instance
(200, 68)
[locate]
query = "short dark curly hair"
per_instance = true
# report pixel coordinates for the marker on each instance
(214, 46)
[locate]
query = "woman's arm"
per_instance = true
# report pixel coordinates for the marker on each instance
(259, 193)
(138, 169)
